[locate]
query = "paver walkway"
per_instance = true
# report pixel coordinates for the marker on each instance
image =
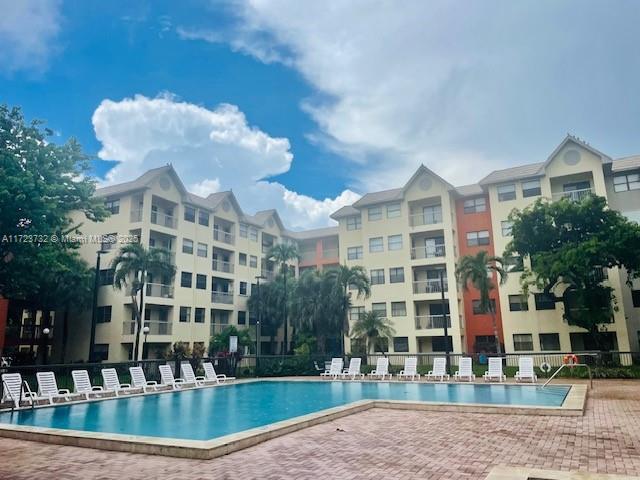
(381, 444)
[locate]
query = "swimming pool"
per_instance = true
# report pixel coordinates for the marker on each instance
(210, 413)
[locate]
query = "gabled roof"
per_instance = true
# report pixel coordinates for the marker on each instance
(315, 233)
(469, 190)
(422, 169)
(142, 182)
(625, 163)
(260, 218)
(379, 197)
(345, 211)
(571, 138)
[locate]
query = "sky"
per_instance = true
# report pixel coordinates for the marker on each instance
(304, 106)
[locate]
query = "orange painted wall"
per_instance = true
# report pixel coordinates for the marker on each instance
(319, 261)
(473, 222)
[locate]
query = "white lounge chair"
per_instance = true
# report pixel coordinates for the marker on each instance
(48, 388)
(111, 382)
(382, 369)
(335, 370)
(495, 371)
(465, 371)
(139, 380)
(15, 390)
(189, 376)
(210, 374)
(439, 371)
(354, 369)
(167, 378)
(82, 385)
(525, 371)
(410, 369)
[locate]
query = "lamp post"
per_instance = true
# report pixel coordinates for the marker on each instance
(45, 342)
(444, 321)
(258, 319)
(145, 332)
(94, 306)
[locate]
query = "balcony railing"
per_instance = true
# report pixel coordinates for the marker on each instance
(222, 236)
(159, 290)
(218, 328)
(573, 195)
(425, 219)
(222, 297)
(308, 256)
(159, 218)
(155, 327)
(429, 286)
(221, 266)
(330, 253)
(427, 252)
(266, 248)
(136, 216)
(425, 322)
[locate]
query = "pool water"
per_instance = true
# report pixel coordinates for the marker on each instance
(203, 414)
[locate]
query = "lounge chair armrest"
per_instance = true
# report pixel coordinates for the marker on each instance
(178, 380)
(201, 379)
(125, 385)
(221, 375)
(97, 388)
(64, 391)
(151, 383)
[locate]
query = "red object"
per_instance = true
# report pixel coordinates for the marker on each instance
(570, 359)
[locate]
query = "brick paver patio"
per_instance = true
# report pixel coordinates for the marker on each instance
(382, 444)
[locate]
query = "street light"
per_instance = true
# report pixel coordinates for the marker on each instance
(444, 321)
(145, 332)
(45, 341)
(259, 317)
(94, 306)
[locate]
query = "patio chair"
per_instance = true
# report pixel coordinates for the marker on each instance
(525, 371)
(167, 378)
(14, 389)
(335, 370)
(82, 385)
(465, 371)
(139, 380)
(210, 374)
(111, 383)
(188, 375)
(48, 388)
(439, 371)
(495, 371)
(382, 369)
(354, 369)
(410, 369)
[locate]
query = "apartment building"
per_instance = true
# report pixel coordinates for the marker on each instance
(318, 249)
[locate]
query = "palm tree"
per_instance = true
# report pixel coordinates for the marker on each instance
(281, 254)
(370, 327)
(131, 266)
(345, 278)
(478, 271)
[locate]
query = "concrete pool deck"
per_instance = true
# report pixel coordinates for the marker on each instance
(379, 443)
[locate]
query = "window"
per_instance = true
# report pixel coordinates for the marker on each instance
(201, 281)
(394, 242)
(531, 188)
(185, 314)
(355, 313)
(100, 352)
(545, 301)
(106, 276)
(381, 344)
(375, 213)
(253, 234)
(244, 230)
(243, 288)
(203, 218)
(513, 264)
(187, 246)
(199, 316)
(202, 250)
(623, 183)
(393, 210)
(108, 241)
(518, 303)
(354, 253)
(354, 223)
(103, 314)
(242, 258)
(253, 261)
(400, 344)
(522, 342)
(186, 279)
(396, 275)
(377, 276)
(478, 311)
(635, 297)
(507, 192)
(478, 238)
(189, 214)
(398, 309)
(380, 309)
(506, 228)
(376, 244)
(475, 205)
(549, 341)
(113, 206)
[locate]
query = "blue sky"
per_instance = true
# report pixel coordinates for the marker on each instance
(302, 106)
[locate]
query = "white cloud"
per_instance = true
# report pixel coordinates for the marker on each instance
(211, 149)
(28, 29)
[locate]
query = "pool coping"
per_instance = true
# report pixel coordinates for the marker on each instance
(573, 405)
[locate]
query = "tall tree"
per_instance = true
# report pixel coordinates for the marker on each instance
(569, 244)
(131, 266)
(370, 327)
(478, 271)
(282, 254)
(269, 301)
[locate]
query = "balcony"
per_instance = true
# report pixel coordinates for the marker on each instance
(222, 297)
(135, 216)
(427, 252)
(307, 256)
(573, 195)
(221, 266)
(330, 253)
(270, 275)
(159, 290)
(159, 218)
(418, 219)
(222, 236)
(426, 322)
(217, 328)
(429, 286)
(155, 327)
